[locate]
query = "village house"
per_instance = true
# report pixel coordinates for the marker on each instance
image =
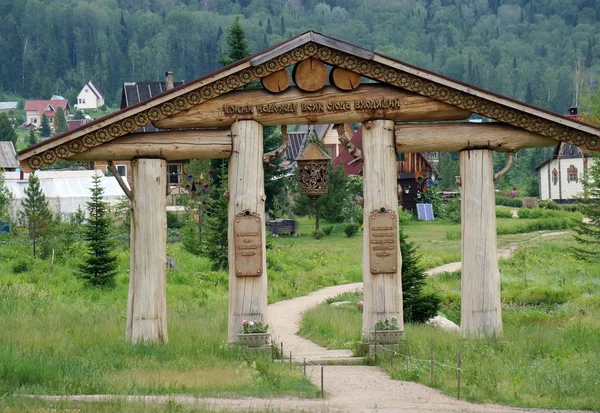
(8, 157)
(89, 97)
(34, 109)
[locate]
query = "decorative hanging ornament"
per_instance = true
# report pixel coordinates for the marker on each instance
(313, 168)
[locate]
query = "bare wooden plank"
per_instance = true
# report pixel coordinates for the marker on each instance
(456, 136)
(382, 292)
(247, 295)
(171, 145)
(328, 105)
(481, 312)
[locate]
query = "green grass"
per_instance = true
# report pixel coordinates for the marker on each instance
(548, 356)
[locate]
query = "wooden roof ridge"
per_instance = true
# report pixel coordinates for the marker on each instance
(333, 52)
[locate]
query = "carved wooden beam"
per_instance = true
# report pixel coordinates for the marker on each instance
(124, 187)
(328, 105)
(170, 145)
(504, 170)
(457, 136)
(285, 141)
(349, 146)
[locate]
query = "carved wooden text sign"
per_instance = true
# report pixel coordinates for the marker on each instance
(383, 243)
(312, 107)
(248, 246)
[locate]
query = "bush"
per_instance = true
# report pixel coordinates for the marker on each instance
(404, 217)
(190, 238)
(21, 267)
(544, 224)
(327, 230)
(525, 213)
(174, 221)
(548, 205)
(318, 234)
(350, 229)
(503, 213)
(509, 202)
(453, 212)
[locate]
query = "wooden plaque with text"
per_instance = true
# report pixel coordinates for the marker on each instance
(248, 246)
(383, 242)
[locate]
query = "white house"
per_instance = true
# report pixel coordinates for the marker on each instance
(89, 97)
(560, 176)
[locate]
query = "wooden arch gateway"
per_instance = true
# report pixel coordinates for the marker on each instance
(212, 117)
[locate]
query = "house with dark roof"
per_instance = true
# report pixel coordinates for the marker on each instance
(8, 157)
(34, 109)
(89, 97)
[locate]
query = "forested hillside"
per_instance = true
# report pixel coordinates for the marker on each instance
(531, 50)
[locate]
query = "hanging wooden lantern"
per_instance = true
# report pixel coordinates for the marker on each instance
(313, 170)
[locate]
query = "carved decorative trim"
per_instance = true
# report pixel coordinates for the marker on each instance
(367, 68)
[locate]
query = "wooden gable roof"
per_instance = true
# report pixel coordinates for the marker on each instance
(333, 52)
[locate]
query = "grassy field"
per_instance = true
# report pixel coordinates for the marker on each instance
(548, 356)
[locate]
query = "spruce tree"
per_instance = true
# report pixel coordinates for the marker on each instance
(32, 138)
(216, 223)
(7, 130)
(60, 122)
(237, 44)
(45, 131)
(5, 198)
(100, 264)
(418, 306)
(36, 215)
(587, 233)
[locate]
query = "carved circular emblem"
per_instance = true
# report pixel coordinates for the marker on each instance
(62, 151)
(141, 119)
(404, 80)
(364, 67)
(88, 141)
(376, 70)
(193, 98)
(523, 120)
(167, 108)
(416, 85)
(537, 125)
(75, 146)
(49, 157)
(324, 53)
(563, 133)
(35, 162)
(233, 82)
(443, 93)
(594, 144)
(482, 107)
(220, 87)
(497, 112)
(430, 89)
(128, 124)
(259, 71)
(154, 114)
(297, 54)
(102, 135)
(456, 98)
(350, 62)
(510, 116)
(284, 60)
(114, 130)
(206, 92)
(180, 103)
(390, 75)
(337, 58)
(246, 76)
(470, 102)
(271, 65)
(310, 49)
(550, 130)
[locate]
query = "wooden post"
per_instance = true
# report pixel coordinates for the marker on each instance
(147, 299)
(480, 281)
(382, 292)
(247, 295)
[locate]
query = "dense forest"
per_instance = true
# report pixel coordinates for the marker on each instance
(546, 52)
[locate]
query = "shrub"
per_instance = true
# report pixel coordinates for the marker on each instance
(503, 213)
(548, 205)
(174, 221)
(21, 267)
(453, 212)
(351, 229)
(190, 238)
(509, 202)
(404, 217)
(544, 224)
(328, 229)
(318, 234)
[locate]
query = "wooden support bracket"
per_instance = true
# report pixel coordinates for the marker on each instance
(509, 162)
(115, 172)
(285, 141)
(349, 146)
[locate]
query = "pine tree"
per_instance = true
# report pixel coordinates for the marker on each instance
(100, 265)
(269, 29)
(216, 224)
(587, 233)
(32, 138)
(45, 131)
(60, 122)
(237, 44)
(282, 26)
(36, 214)
(418, 306)
(7, 131)
(5, 198)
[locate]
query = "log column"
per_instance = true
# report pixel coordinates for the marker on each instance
(480, 281)
(247, 295)
(147, 299)
(382, 292)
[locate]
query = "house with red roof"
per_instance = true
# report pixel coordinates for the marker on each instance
(34, 109)
(89, 97)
